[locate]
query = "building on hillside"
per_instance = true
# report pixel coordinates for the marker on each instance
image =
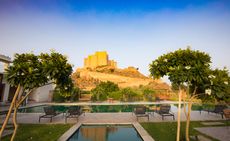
(100, 58)
(112, 63)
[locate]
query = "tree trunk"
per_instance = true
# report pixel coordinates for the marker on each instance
(178, 116)
(188, 120)
(15, 114)
(10, 110)
(15, 122)
(188, 116)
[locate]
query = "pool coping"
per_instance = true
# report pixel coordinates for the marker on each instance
(141, 131)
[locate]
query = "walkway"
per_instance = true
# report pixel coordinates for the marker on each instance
(112, 117)
(220, 133)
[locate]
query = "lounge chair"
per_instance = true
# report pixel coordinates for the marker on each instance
(165, 111)
(73, 112)
(140, 111)
(218, 109)
(49, 113)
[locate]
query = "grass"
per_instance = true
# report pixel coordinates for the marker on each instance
(160, 131)
(39, 132)
(166, 131)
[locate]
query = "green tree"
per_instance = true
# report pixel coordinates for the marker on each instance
(183, 67)
(130, 95)
(218, 83)
(71, 96)
(116, 95)
(148, 93)
(29, 72)
(102, 90)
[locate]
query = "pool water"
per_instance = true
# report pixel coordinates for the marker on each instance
(106, 133)
(92, 108)
(98, 108)
(40, 109)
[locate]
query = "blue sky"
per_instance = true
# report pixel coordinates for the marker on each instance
(134, 33)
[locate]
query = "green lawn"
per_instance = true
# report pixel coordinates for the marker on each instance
(166, 131)
(160, 131)
(39, 132)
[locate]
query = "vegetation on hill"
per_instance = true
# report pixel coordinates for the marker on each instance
(108, 90)
(102, 90)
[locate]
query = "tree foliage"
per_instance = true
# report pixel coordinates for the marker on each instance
(103, 89)
(26, 71)
(130, 94)
(116, 95)
(219, 85)
(149, 94)
(68, 96)
(31, 71)
(191, 69)
(182, 66)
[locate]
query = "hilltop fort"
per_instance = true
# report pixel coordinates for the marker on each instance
(98, 67)
(100, 58)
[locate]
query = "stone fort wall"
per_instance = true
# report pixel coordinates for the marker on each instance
(100, 58)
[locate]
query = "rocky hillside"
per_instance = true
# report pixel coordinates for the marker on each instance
(129, 72)
(128, 77)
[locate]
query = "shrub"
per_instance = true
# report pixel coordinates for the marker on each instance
(130, 95)
(101, 92)
(116, 95)
(73, 95)
(149, 94)
(57, 97)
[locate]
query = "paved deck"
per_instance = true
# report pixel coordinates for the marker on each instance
(111, 117)
(220, 133)
(212, 123)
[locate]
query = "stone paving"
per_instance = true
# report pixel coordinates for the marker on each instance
(212, 123)
(112, 117)
(220, 133)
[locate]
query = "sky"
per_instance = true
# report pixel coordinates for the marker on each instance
(134, 33)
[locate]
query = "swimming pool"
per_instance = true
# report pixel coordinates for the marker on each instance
(98, 108)
(106, 133)
(91, 108)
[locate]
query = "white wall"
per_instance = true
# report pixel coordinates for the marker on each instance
(43, 94)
